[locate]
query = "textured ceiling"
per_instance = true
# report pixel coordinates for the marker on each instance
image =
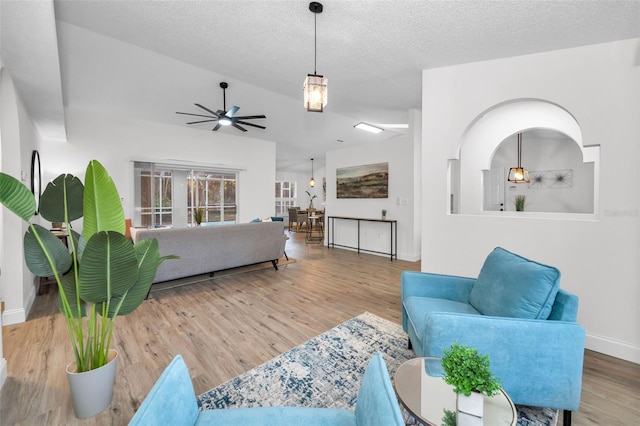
(373, 53)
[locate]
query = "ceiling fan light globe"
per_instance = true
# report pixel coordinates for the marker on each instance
(225, 121)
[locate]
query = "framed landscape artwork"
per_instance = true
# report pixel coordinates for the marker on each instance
(367, 181)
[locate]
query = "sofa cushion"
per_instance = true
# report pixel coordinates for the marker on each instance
(418, 309)
(513, 286)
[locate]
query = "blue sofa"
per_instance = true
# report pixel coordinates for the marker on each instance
(172, 401)
(514, 312)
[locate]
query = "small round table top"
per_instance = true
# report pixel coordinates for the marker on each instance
(422, 391)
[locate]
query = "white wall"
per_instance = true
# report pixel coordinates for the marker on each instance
(598, 256)
(399, 153)
(3, 361)
(117, 141)
(19, 139)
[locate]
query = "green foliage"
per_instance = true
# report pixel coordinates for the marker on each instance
(520, 202)
(384, 212)
(198, 215)
(101, 275)
(449, 418)
(466, 370)
(311, 198)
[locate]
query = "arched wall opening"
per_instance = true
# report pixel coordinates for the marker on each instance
(483, 137)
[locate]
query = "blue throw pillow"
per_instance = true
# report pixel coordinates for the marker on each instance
(513, 286)
(257, 219)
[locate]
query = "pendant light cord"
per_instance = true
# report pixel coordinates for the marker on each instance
(315, 43)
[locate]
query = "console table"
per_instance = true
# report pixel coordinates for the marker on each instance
(393, 238)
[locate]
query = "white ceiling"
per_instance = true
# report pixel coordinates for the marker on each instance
(373, 53)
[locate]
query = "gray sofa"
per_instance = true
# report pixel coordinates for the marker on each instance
(207, 249)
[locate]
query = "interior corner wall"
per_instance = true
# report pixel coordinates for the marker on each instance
(398, 152)
(19, 139)
(118, 141)
(598, 258)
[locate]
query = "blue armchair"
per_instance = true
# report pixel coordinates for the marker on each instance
(172, 401)
(515, 313)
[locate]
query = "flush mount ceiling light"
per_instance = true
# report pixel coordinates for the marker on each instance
(315, 86)
(312, 181)
(368, 128)
(519, 174)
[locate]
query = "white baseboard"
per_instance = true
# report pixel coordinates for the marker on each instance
(613, 348)
(16, 316)
(13, 316)
(409, 257)
(3, 371)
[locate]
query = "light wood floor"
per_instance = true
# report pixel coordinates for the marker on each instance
(231, 324)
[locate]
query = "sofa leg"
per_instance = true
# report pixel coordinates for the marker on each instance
(285, 255)
(409, 345)
(566, 417)
(275, 263)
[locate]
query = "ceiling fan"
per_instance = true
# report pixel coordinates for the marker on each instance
(224, 117)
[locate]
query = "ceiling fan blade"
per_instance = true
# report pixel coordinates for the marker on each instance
(203, 121)
(207, 109)
(217, 127)
(239, 127)
(195, 115)
(250, 124)
(232, 111)
(250, 117)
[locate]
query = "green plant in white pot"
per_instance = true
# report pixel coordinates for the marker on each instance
(100, 275)
(470, 375)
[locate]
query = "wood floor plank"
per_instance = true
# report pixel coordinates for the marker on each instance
(232, 323)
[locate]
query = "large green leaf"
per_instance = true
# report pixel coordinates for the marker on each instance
(16, 197)
(102, 207)
(69, 286)
(109, 267)
(148, 254)
(36, 258)
(63, 195)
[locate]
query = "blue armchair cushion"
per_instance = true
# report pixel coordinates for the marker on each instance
(276, 416)
(377, 404)
(172, 401)
(513, 286)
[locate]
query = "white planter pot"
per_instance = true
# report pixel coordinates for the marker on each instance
(472, 404)
(92, 391)
(464, 419)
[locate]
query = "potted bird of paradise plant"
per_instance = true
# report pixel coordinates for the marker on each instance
(99, 276)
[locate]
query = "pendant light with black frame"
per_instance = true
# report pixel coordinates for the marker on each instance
(315, 85)
(312, 181)
(519, 174)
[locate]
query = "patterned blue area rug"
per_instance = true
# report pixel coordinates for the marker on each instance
(326, 372)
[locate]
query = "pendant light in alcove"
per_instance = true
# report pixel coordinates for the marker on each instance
(519, 174)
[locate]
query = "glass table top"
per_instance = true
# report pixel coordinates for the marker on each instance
(421, 389)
